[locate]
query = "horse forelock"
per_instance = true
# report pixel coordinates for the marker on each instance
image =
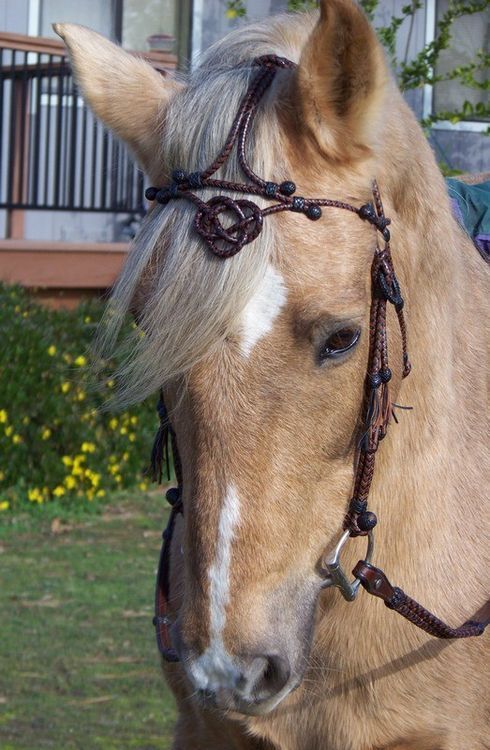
(186, 300)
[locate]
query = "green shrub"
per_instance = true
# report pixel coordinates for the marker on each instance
(55, 442)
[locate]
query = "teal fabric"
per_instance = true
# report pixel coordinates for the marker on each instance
(471, 206)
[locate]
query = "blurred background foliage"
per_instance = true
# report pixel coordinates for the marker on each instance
(55, 441)
(424, 68)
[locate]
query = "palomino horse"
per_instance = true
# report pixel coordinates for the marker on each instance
(262, 360)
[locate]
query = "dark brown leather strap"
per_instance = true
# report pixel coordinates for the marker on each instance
(375, 582)
(161, 619)
(378, 406)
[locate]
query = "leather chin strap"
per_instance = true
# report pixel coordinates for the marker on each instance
(377, 409)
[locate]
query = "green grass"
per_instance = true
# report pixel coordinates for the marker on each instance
(79, 664)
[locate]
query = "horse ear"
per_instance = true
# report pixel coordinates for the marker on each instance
(341, 81)
(124, 91)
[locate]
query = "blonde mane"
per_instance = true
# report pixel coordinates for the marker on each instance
(191, 301)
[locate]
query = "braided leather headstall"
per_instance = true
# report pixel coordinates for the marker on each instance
(225, 241)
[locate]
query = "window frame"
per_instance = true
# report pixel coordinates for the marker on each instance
(471, 126)
(34, 18)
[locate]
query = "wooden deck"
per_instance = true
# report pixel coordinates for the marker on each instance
(62, 273)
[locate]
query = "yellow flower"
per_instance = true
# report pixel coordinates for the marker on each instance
(80, 361)
(51, 350)
(100, 493)
(231, 13)
(114, 469)
(67, 461)
(134, 420)
(81, 395)
(87, 319)
(9, 430)
(112, 459)
(17, 308)
(25, 420)
(4, 505)
(123, 430)
(16, 439)
(110, 383)
(113, 423)
(94, 477)
(77, 470)
(65, 387)
(131, 437)
(3, 416)
(125, 456)
(88, 448)
(90, 494)
(34, 495)
(46, 434)
(59, 491)
(67, 358)
(25, 314)
(118, 478)
(70, 482)
(143, 486)
(2, 476)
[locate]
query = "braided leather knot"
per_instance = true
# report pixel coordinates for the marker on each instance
(389, 288)
(227, 241)
(195, 180)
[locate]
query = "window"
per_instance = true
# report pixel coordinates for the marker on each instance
(97, 14)
(138, 24)
(469, 34)
(149, 24)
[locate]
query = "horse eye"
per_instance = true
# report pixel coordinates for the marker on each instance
(339, 342)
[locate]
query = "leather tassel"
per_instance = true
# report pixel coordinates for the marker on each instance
(160, 451)
(382, 410)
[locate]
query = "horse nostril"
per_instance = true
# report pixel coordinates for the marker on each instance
(275, 674)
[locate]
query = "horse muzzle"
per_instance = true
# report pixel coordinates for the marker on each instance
(251, 684)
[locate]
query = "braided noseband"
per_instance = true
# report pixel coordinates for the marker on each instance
(227, 241)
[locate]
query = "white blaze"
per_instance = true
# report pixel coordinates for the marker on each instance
(215, 667)
(262, 310)
(219, 572)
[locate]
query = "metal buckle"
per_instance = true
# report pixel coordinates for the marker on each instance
(335, 574)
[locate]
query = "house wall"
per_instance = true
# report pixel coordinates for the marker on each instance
(14, 16)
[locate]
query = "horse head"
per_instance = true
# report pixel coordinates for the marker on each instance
(261, 357)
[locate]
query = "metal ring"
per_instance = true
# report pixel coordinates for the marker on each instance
(335, 575)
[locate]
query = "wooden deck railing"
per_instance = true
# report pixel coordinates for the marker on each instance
(54, 156)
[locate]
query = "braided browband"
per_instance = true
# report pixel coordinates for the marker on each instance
(226, 242)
